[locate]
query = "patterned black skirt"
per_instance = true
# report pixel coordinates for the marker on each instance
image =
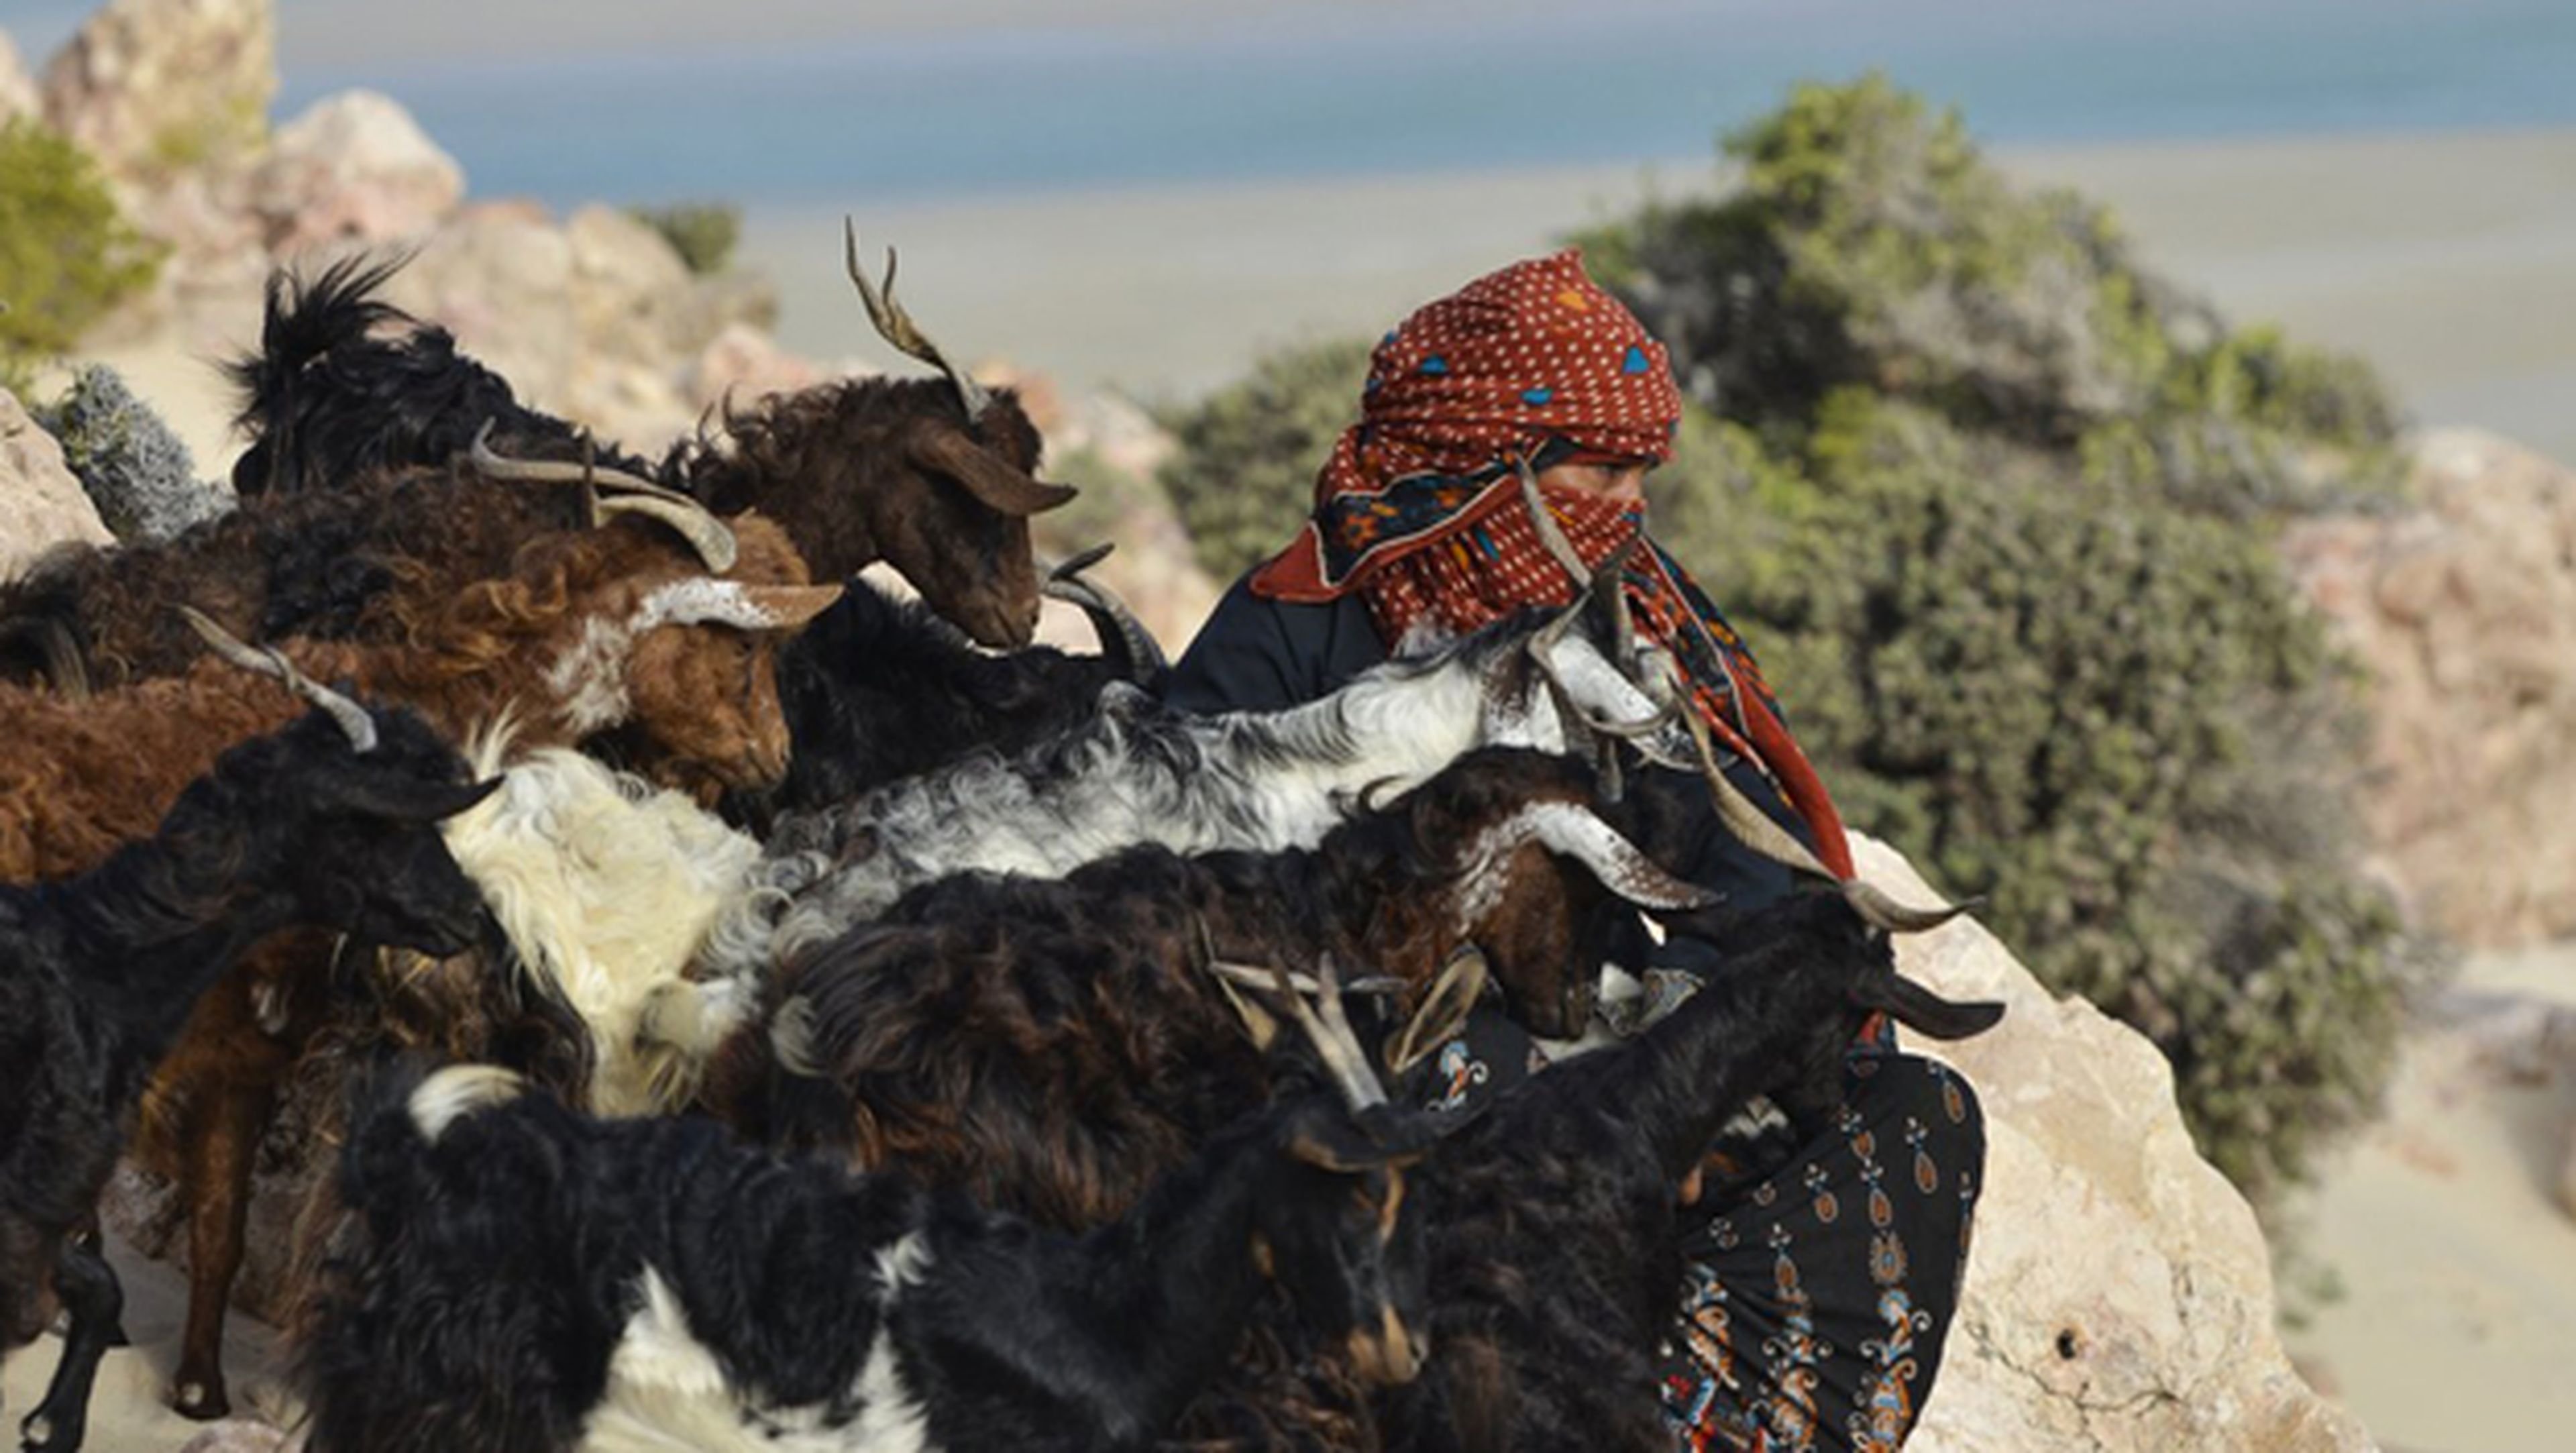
(1820, 1288)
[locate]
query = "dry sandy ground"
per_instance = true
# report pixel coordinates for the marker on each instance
(2458, 1309)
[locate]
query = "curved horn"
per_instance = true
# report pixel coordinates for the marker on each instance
(1325, 1023)
(895, 325)
(1572, 831)
(706, 534)
(354, 722)
(1550, 534)
(1131, 649)
(1754, 828)
(557, 471)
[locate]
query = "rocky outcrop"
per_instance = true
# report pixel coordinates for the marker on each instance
(152, 88)
(353, 168)
(41, 503)
(2118, 1293)
(2464, 609)
(18, 93)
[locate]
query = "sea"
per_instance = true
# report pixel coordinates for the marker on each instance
(768, 101)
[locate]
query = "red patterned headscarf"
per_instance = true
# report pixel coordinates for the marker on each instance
(1420, 507)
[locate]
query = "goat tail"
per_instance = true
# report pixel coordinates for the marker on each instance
(401, 1111)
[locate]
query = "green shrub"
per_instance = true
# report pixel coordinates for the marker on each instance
(1997, 508)
(66, 256)
(703, 233)
(1244, 475)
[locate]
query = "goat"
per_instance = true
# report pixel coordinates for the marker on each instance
(1555, 1220)
(1138, 772)
(346, 565)
(935, 477)
(615, 628)
(1051, 1046)
(876, 690)
(518, 1278)
(325, 822)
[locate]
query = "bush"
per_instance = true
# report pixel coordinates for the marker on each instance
(135, 470)
(1997, 508)
(66, 256)
(1243, 478)
(703, 233)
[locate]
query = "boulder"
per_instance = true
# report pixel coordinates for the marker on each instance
(18, 93)
(41, 503)
(157, 87)
(2118, 1294)
(2464, 609)
(353, 167)
(499, 275)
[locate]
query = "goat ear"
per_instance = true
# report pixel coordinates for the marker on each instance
(1444, 1010)
(413, 801)
(984, 474)
(791, 606)
(1925, 1012)
(1346, 1149)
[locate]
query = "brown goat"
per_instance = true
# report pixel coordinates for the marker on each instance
(936, 477)
(616, 628)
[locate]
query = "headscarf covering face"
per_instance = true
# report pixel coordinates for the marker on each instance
(1421, 510)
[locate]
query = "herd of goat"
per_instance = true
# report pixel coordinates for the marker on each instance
(774, 1015)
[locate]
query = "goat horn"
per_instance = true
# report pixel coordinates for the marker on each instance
(1573, 831)
(1329, 1031)
(359, 727)
(895, 325)
(1754, 828)
(1549, 533)
(706, 534)
(1138, 656)
(496, 465)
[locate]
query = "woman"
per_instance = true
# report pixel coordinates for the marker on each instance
(1820, 1284)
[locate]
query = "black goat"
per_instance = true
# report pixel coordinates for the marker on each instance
(1556, 1220)
(519, 1278)
(878, 689)
(313, 824)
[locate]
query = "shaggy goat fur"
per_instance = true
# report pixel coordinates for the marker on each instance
(99, 972)
(348, 565)
(1052, 1046)
(879, 689)
(857, 470)
(1556, 1223)
(619, 626)
(516, 1278)
(1139, 772)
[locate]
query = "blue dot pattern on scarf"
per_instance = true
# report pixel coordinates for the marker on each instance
(1636, 361)
(1435, 364)
(1538, 396)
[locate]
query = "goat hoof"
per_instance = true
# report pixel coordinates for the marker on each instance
(200, 1401)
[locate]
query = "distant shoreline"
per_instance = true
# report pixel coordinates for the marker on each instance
(2448, 259)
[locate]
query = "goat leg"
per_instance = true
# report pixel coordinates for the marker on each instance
(217, 1192)
(87, 1287)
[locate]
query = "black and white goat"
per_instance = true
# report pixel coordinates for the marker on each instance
(1139, 772)
(328, 822)
(1052, 1046)
(518, 1278)
(1556, 1220)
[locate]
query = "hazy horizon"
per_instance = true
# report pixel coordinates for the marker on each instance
(885, 100)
